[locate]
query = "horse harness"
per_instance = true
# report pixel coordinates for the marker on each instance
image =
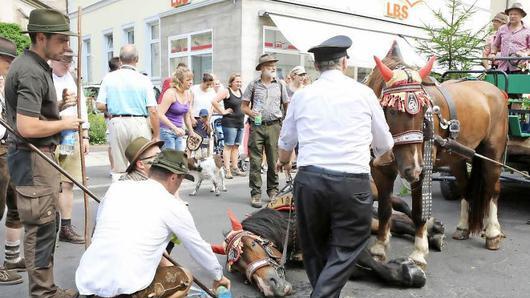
(234, 249)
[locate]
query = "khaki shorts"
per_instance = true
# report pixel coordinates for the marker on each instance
(70, 163)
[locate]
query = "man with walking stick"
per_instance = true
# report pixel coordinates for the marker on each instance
(32, 110)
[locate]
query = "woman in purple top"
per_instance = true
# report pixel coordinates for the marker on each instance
(174, 110)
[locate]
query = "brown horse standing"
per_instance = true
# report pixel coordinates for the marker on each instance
(482, 112)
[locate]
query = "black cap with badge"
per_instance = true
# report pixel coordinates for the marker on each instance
(332, 48)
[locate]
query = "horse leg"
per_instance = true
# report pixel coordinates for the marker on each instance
(384, 177)
(421, 243)
(402, 272)
(459, 171)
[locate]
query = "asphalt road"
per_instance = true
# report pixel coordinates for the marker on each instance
(463, 269)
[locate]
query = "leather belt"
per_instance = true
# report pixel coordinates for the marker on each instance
(46, 148)
(268, 123)
(319, 170)
(127, 116)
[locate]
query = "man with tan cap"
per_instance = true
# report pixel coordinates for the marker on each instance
(140, 153)
(8, 52)
(512, 39)
(135, 222)
(500, 19)
(69, 161)
(262, 102)
(33, 111)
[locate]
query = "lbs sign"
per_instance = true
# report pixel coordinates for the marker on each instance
(177, 3)
(400, 9)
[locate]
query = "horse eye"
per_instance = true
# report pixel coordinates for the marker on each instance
(253, 244)
(392, 112)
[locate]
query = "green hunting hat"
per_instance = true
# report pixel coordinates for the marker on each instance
(173, 161)
(49, 21)
(8, 48)
(136, 148)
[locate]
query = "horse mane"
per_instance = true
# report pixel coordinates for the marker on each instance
(269, 224)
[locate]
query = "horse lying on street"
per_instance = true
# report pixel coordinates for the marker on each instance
(253, 247)
(424, 114)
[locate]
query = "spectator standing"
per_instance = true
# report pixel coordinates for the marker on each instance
(332, 186)
(175, 112)
(64, 82)
(232, 123)
(128, 97)
(12, 260)
(203, 94)
(32, 110)
(512, 39)
(262, 102)
(296, 80)
(500, 19)
(114, 64)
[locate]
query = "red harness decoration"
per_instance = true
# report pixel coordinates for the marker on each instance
(409, 98)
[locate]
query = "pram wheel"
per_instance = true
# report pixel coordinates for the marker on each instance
(244, 165)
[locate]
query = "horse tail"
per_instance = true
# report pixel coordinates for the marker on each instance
(476, 196)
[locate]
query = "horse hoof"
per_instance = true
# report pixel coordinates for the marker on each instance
(413, 275)
(461, 234)
(438, 227)
(437, 242)
(494, 243)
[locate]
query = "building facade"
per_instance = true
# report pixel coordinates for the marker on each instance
(227, 36)
(17, 11)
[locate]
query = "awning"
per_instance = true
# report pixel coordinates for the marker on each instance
(304, 34)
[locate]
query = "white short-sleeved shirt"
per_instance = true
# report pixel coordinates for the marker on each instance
(201, 99)
(67, 82)
(126, 92)
(134, 224)
(335, 120)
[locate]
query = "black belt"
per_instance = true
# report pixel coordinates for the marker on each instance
(319, 170)
(44, 148)
(268, 123)
(127, 116)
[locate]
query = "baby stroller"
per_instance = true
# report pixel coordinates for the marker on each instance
(218, 142)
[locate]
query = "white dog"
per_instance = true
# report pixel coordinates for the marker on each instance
(209, 168)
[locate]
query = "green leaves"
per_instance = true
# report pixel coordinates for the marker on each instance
(12, 32)
(450, 40)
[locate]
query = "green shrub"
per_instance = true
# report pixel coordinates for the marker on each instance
(12, 32)
(98, 128)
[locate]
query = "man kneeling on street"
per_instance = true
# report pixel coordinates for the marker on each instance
(135, 222)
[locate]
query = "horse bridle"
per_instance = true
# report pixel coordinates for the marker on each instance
(233, 246)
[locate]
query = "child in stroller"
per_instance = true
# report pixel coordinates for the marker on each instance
(218, 142)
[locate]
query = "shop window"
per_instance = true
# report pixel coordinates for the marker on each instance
(193, 49)
(288, 56)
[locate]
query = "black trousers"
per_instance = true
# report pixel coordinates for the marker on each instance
(333, 212)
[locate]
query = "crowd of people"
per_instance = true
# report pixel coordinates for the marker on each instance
(142, 214)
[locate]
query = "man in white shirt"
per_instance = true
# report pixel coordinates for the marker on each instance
(63, 80)
(335, 121)
(203, 94)
(135, 222)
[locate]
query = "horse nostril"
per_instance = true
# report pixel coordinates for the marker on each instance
(273, 281)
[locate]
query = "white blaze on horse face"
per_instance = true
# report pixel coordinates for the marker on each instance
(493, 227)
(263, 286)
(417, 168)
(463, 223)
(421, 247)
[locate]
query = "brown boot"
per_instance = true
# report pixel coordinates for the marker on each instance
(255, 201)
(19, 266)
(9, 277)
(66, 293)
(68, 234)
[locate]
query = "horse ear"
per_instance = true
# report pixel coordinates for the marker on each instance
(394, 52)
(236, 225)
(218, 249)
(386, 72)
(426, 70)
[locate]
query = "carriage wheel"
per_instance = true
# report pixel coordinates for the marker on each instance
(449, 191)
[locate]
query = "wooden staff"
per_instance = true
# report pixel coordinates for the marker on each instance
(80, 131)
